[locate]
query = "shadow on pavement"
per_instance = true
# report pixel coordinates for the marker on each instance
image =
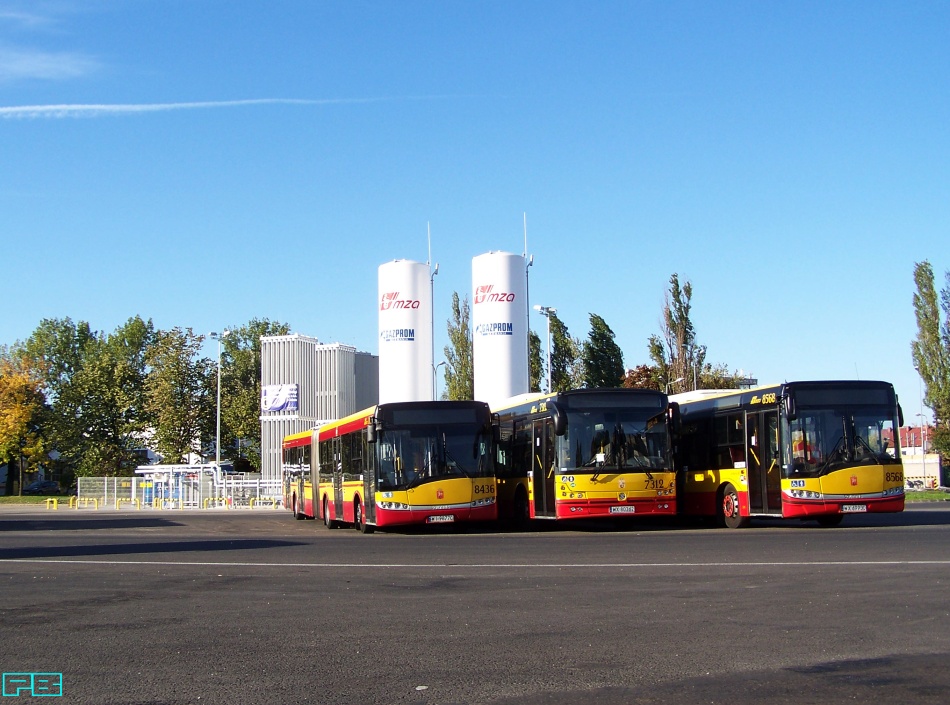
(141, 548)
(919, 679)
(85, 523)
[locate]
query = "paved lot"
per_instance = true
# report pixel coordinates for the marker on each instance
(216, 606)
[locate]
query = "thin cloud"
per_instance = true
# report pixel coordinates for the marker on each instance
(17, 64)
(99, 110)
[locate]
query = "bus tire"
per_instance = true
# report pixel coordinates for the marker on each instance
(359, 521)
(522, 513)
(729, 513)
(327, 521)
(830, 519)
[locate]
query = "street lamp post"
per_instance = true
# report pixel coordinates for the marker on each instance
(547, 312)
(217, 439)
(669, 385)
(923, 447)
(435, 380)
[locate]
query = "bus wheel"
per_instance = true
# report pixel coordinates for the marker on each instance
(327, 521)
(522, 514)
(359, 521)
(297, 515)
(729, 515)
(830, 519)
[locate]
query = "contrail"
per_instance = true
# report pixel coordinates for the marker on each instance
(82, 110)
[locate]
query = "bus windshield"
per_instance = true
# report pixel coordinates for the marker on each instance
(409, 457)
(822, 440)
(615, 439)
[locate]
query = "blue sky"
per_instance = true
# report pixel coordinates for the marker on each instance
(229, 160)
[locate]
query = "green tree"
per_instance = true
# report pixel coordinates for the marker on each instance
(60, 347)
(180, 390)
(567, 369)
(602, 357)
(535, 364)
(675, 352)
(459, 368)
(241, 388)
(115, 414)
(931, 350)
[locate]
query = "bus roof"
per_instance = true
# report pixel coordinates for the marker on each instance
(706, 399)
(347, 424)
(301, 438)
(528, 400)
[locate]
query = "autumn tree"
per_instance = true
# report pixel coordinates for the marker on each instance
(21, 407)
(602, 357)
(180, 391)
(931, 350)
(459, 368)
(643, 377)
(241, 388)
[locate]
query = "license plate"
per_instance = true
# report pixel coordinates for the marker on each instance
(623, 510)
(441, 519)
(851, 508)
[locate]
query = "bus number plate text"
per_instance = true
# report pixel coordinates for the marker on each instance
(852, 508)
(440, 519)
(626, 509)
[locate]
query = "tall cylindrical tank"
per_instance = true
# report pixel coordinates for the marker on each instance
(405, 331)
(499, 326)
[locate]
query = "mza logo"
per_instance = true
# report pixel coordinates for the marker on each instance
(391, 300)
(854, 480)
(485, 295)
(440, 494)
(33, 685)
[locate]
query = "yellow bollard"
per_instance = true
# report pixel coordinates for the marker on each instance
(52, 502)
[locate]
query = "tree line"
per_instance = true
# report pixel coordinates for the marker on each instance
(677, 362)
(86, 403)
(83, 402)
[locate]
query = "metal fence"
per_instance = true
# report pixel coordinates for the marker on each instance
(178, 492)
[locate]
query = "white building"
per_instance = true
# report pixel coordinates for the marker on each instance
(306, 383)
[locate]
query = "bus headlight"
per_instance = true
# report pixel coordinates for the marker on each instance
(805, 494)
(894, 491)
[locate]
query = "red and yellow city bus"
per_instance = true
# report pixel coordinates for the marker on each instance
(585, 453)
(404, 463)
(807, 450)
(296, 457)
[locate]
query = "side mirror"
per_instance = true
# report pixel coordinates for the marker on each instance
(674, 418)
(900, 416)
(788, 404)
(560, 418)
(371, 430)
(496, 427)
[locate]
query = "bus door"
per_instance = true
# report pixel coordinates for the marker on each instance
(543, 467)
(762, 462)
(336, 468)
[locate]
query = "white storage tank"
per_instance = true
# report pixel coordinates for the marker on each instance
(405, 331)
(499, 326)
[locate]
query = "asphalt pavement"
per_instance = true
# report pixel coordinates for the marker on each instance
(253, 607)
